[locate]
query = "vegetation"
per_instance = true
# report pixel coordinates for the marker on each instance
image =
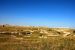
(22, 38)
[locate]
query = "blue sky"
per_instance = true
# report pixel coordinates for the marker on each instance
(52, 13)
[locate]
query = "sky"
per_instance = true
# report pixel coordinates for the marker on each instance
(52, 13)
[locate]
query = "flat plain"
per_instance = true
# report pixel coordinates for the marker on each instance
(36, 38)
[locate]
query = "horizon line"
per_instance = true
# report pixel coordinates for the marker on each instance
(39, 26)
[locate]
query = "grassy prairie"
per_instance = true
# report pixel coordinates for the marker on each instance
(33, 41)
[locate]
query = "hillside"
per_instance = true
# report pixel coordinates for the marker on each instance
(36, 38)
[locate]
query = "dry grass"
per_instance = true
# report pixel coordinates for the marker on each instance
(33, 42)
